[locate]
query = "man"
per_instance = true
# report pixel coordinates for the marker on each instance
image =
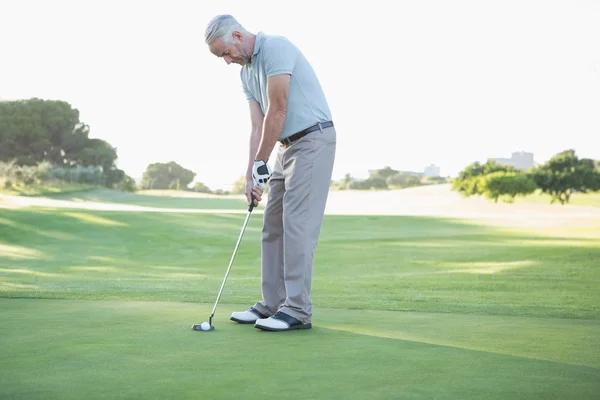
(287, 105)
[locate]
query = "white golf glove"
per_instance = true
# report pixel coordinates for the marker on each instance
(261, 173)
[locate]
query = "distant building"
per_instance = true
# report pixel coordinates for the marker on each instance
(409, 173)
(432, 171)
(519, 160)
(415, 174)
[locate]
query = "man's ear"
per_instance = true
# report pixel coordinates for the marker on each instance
(238, 36)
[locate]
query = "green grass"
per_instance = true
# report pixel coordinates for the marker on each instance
(153, 199)
(100, 304)
(46, 189)
(577, 199)
(56, 349)
(382, 263)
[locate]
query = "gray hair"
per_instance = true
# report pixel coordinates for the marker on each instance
(222, 26)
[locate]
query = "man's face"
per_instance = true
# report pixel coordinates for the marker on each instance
(230, 52)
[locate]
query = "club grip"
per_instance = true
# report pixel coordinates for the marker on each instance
(251, 207)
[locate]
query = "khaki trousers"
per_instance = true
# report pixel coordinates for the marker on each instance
(293, 216)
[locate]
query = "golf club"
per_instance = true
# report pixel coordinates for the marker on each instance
(208, 326)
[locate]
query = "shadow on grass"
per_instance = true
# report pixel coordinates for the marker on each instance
(49, 190)
(112, 196)
(363, 262)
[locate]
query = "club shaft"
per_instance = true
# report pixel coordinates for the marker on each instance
(230, 264)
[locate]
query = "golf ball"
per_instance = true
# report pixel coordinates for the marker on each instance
(205, 326)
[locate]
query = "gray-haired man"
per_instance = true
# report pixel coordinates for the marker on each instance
(287, 105)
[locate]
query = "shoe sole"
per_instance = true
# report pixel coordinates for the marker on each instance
(291, 328)
(241, 321)
(252, 311)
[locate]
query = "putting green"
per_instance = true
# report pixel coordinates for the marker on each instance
(73, 349)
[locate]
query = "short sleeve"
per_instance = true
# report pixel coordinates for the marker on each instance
(279, 57)
(249, 96)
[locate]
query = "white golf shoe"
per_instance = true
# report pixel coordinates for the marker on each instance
(247, 317)
(281, 322)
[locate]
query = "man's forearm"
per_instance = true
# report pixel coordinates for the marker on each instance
(272, 127)
(255, 136)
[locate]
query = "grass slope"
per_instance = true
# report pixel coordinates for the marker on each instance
(152, 199)
(363, 262)
(46, 189)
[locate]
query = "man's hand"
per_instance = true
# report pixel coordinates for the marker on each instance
(261, 173)
(253, 191)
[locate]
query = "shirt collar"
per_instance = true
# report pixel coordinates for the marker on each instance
(258, 42)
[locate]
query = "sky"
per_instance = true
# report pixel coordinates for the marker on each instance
(409, 83)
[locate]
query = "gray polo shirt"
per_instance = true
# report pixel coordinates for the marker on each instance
(275, 55)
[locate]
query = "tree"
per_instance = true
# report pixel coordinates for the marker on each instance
(201, 188)
(467, 182)
(507, 184)
(36, 131)
(97, 152)
(169, 175)
(344, 183)
(413, 181)
(399, 179)
(127, 184)
(239, 186)
(369, 183)
(116, 178)
(382, 173)
(565, 174)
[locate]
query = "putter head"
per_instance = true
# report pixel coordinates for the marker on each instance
(198, 327)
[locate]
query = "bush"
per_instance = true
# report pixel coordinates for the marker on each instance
(127, 184)
(369, 183)
(91, 175)
(434, 180)
(468, 186)
(12, 175)
(239, 186)
(507, 185)
(413, 181)
(200, 187)
(24, 174)
(399, 179)
(468, 181)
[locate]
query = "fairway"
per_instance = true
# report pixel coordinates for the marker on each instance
(99, 304)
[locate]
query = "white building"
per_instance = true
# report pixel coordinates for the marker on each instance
(519, 160)
(432, 171)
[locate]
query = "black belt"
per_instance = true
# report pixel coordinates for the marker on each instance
(288, 140)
